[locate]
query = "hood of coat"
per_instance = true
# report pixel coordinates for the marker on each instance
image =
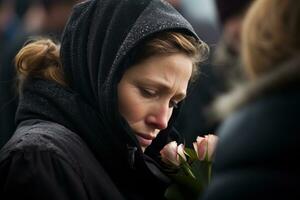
(284, 77)
(97, 43)
(100, 36)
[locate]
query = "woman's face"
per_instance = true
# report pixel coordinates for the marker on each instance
(149, 91)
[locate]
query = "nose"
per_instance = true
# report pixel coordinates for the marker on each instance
(159, 118)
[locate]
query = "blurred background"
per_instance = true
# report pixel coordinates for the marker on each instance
(203, 12)
(20, 21)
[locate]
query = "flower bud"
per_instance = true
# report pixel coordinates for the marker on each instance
(200, 147)
(212, 141)
(205, 146)
(171, 153)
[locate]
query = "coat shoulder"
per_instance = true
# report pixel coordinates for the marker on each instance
(37, 136)
(44, 160)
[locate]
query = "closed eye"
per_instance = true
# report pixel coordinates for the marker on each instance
(148, 92)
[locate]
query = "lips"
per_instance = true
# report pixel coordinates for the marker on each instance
(146, 136)
(144, 140)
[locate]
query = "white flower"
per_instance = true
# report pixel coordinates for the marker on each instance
(205, 146)
(172, 152)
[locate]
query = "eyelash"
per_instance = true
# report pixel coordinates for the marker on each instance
(173, 104)
(151, 93)
(148, 92)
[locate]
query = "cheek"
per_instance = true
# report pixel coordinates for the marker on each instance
(130, 106)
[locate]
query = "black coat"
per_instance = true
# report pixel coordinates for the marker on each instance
(44, 160)
(97, 47)
(259, 143)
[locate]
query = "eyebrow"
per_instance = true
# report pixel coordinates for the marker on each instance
(164, 86)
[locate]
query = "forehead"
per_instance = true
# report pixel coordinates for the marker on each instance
(177, 62)
(166, 70)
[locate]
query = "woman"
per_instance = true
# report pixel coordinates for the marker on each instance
(259, 142)
(85, 120)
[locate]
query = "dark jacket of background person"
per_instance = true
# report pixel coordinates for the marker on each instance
(259, 144)
(71, 142)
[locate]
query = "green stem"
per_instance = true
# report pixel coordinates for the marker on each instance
(209, 172)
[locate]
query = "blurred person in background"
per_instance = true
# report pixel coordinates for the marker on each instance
(11, 15)
(10, 30)
(52, 16)
(9, 24)
(38, 17)
(258, 148)
(226, 58)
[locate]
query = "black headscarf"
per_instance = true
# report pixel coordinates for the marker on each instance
(100, 36)
(96, 44)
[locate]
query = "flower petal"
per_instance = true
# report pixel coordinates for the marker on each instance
(180, 152)
(202, 147)
(169, 153)
(212, 143)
